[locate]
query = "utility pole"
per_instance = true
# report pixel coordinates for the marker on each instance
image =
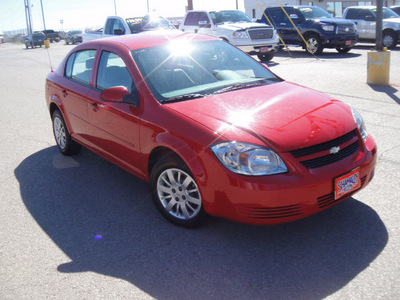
(28, 16)
(378, 37)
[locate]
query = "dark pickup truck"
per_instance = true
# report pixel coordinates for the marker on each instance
(316, 25)
(52, 35)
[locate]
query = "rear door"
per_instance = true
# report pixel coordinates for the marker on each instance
(365, 21)
(75, 87)
(283, 25)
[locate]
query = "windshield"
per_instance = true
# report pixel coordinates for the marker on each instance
(183, 70)
(314, 13)
(229, 16)
(148, 23)
(387, 13)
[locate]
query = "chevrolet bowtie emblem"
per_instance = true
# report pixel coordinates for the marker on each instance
(334, 150)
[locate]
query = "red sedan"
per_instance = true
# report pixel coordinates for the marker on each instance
(213, 130)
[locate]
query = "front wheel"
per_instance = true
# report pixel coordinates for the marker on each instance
(264, 57)
(65, 144)
(315, 44)
(176, 193)
(343, 49)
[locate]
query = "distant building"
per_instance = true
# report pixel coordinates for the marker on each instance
(335, 7)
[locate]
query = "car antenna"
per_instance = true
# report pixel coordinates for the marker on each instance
(48, 54)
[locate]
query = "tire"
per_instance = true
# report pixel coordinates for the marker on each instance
(64, 141)
(389, 39)
(315, 44)
(175, 193)
(26, 46)
(343, 49)
(264, 57)
(66, 42)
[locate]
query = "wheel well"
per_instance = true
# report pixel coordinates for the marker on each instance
(53, 107)
(158, 153)
(389, 30)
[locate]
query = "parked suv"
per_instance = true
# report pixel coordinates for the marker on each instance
(365, 19)
(235, 27)
(34, 39)
(316, 25)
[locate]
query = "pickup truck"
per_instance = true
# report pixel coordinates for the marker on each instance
(318, 27)
(52, 35)
(235, 27)
(116, 25)
(365, 19)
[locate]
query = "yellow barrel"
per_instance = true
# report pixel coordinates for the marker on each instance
(47, 43)
(378, 67)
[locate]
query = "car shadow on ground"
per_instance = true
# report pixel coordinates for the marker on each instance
(104, 220)
(298, 52)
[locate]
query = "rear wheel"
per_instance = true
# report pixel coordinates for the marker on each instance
(65, 144)
(264, 57)
(175, 192)
(343, 49)
(314, 41)
(389, 39)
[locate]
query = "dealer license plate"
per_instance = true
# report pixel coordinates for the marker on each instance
(263, 49)
(347, 183)
(348, 43)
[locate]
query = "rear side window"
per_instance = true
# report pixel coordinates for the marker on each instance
(358, 14)
(79, 66)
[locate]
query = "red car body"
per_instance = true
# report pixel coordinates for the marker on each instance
(304, 127)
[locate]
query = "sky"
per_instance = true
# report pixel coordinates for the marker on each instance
(81, 14)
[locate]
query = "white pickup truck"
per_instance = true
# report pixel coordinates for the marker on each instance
(365, 19)
(235, 27)
(116, 25)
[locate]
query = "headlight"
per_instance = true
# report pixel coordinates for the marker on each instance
(240, 35)
(328, 27)
(249, 159)
(360, 123)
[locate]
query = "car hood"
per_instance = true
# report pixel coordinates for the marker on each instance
(334, 21)
(241, 25)
(391, 20)
(283, 116)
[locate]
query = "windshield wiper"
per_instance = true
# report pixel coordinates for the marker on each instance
(183, 97)
(238, 86)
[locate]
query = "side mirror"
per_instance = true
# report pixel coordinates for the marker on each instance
(119, 31)
(120, 94)
(204, 24)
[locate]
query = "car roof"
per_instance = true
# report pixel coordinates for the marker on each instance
(149, 39)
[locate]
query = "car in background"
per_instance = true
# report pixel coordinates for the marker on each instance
(319, 29)
(73, 37)
(396, 9)
(212, 130)
(52, 35)
(235, 27)
(365, 19)
(116, 25)
(34, 39)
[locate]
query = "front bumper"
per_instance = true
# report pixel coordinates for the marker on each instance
(280, 198)
(339, 41)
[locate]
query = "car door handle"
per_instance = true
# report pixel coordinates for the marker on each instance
(64, 93)
(96, 106)
(283, 24)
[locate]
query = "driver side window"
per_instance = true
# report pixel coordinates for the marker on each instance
(113, 72)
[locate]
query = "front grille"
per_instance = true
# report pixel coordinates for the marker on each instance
(331, 158)
(329, 199)
(271, 212)
(260, 34)
(323, 158)
(346, 29)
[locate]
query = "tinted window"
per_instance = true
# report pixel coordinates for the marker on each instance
(358, 14)
(193, 18)
(79, 66)
(112, 72)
